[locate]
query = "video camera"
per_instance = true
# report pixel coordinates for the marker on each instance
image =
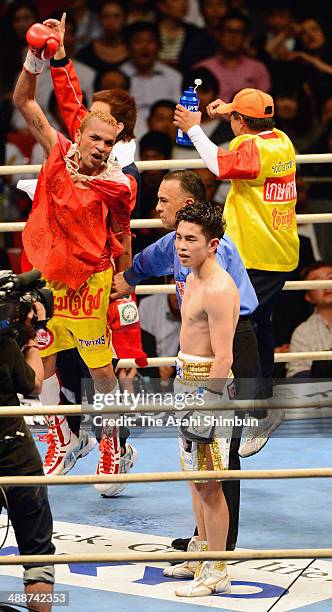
(18, 292)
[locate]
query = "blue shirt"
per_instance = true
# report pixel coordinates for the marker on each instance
(161, 258)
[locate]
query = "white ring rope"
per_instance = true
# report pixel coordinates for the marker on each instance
(307, 218)
(166, 477)
(230, 555)
(155, 408)
(168, 164)
(278, 358)
(312, 355)
(18, 226)
(289, 286)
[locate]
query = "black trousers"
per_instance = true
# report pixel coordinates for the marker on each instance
(268, 287)
(72, 372)
(30, 514)
(245, 369)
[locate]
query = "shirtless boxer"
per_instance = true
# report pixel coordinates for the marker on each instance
(210, 312)
(178, 189)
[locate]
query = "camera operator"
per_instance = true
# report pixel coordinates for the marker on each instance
(21, 371)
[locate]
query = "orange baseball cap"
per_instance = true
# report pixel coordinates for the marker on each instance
(251, 102)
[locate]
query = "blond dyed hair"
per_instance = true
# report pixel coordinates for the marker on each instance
(105, 117)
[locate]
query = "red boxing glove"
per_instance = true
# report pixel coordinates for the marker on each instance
(43, 41)
(43, 44)
(123, 320)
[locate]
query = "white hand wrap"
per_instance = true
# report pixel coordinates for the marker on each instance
(33, 64)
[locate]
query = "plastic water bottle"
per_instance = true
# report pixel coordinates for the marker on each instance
(189, 100)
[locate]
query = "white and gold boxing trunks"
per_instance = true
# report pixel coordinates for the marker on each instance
(192, 373)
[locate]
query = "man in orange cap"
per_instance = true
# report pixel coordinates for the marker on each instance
(259, 213)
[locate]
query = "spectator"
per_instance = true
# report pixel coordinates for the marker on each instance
(109, 49)
(211, 184)
(161, 118)
(254, 14)
(276, 41)
(231, 65)
(87, 27)
(153, 146)
(213, 11)
(12, 205)
(14, 157)
(313, 60)
(112, 79)
(320, 192)
(326, 111)
(150, 79)
(311, 252)
(315, 334)
(292, 309)
(140, 10)
(281, 30)
(193, 14)
(20, 15)
(323, 144)
(182, 44)
(295, 115)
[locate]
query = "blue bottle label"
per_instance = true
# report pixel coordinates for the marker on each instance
(190, 101)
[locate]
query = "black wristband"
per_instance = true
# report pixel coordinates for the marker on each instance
(41, 324)
(59, 63)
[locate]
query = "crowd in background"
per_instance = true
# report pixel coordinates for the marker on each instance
(155, 49)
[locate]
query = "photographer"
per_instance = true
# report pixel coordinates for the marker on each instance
(21, 371)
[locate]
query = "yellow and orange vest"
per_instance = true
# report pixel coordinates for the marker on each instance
(260, 207)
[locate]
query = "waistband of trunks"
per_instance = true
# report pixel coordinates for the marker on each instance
(193, 367)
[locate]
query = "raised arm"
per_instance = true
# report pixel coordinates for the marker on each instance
(24, 99)
(242, 162)
(42, 45)
(65, 81)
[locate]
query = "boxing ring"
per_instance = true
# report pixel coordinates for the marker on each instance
(162, 552)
